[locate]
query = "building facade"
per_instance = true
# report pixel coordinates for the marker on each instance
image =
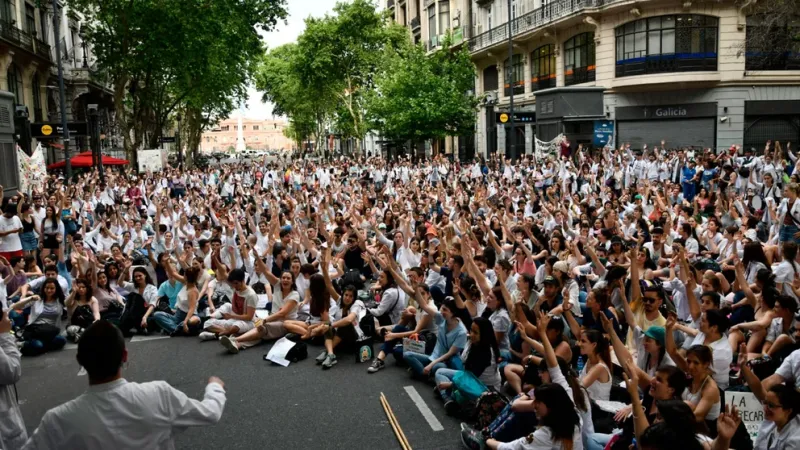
(257, 135)
(680, 71)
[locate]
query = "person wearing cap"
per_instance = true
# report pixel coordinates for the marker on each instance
(236, 317)
(570, 289)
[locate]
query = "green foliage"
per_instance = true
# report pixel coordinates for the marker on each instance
(422, 96)
(192, 56)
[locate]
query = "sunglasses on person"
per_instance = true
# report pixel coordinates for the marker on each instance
(649, 300)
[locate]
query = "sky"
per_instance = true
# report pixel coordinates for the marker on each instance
(284, 33)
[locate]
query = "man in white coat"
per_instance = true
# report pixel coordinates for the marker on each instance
(116, 414)
(12, 427)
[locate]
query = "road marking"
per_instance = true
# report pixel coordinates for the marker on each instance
(82, 372)
(148, 338)
(423, 408)
(71, 346)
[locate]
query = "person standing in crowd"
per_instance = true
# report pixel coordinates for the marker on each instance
(115, 413)
(12, 433)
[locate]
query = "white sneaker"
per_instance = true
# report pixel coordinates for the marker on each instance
(229, 344)
(207, 336)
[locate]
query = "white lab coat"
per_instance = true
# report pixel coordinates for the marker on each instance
(120, 415)
(12, 427)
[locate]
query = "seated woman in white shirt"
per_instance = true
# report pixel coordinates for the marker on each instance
(596, 373)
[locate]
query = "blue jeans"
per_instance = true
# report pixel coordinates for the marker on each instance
(442, 376)
(169, 322)
(395, 347)
(418, 361)
(597, 441)
(36, 347)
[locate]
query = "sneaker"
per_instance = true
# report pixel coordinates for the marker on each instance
(377, 365)
(230, 344)
(451, 407)
(207, 336)
(322, 357)
(330, 361)
(465, 426)
(473, 440)
(437, 393)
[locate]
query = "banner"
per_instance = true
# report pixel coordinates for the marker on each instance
(31, 169)
(546, 148)
(603, 132)
(750, 410)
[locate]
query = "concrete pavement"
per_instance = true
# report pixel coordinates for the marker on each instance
(299, 406)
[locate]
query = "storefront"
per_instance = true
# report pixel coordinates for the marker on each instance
(523, 130)
(690, 125)
(774, 120)
(568, 110)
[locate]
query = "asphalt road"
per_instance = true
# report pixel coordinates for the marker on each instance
(299, 406)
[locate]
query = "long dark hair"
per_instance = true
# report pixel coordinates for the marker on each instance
(754, 252)
(603, 350)
(572, 379)
(59, 292)
(143, 271)
(481, 353)
(561, 416)
(320, 297)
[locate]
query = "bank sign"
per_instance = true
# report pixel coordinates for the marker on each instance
(603, 132)
(662, 112)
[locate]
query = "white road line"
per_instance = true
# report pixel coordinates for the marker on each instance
(423, 408)
(148, 338)
(71, 346)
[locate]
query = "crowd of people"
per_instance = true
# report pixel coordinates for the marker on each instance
(590, 298)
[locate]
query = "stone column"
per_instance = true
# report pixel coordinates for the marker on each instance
(5, 61)
(529, 139)
(27, 86)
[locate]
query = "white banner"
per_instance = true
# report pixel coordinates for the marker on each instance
(31, 169)
(750, 410)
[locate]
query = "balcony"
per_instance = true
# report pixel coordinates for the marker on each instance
(13, 35)
(415, 25)
(535, 19)
(484, 3)
(42, 48)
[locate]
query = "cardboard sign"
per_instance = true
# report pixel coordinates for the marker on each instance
(750, 410)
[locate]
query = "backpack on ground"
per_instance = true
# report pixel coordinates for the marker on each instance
(488, 407)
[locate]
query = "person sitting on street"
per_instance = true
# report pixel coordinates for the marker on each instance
(185, 309)
(43, 332)
(285, 301)
(233, 318)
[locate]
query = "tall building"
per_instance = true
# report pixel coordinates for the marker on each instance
(254, 134)
(681, 71)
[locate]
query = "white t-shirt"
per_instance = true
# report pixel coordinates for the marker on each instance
(785, 273)
(11, 242)
(278, 301)
(790, 368)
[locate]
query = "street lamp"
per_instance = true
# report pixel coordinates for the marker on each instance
(62, 96)
(178, 141)
(512, 148)
(83, 48)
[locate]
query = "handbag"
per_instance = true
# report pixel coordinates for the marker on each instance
(163, 305)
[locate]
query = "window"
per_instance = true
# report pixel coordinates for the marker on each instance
(244, 127)
(680, 43)
(444, 16)
(226, 128)
(255, 127)
(30, 19)
(543, 68)
(15, 83)
(37, 99)
(579, 64)
(514, 74)
(513, 9)
(235, 127)
(774, 45)
(489, 19)
(8, 10)
(432, 25)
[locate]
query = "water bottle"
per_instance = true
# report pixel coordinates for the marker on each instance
(581, 363)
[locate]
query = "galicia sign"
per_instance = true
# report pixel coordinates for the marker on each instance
(656, 112)
(671, 112)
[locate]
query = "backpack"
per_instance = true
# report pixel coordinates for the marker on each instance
(367, 325)
(300, 350)
(488, 407)
(82, 316)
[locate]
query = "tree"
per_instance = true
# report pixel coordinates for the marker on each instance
(338, 55)
(420, 96)
(773, 35)
(309, 108)
(194, 56)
